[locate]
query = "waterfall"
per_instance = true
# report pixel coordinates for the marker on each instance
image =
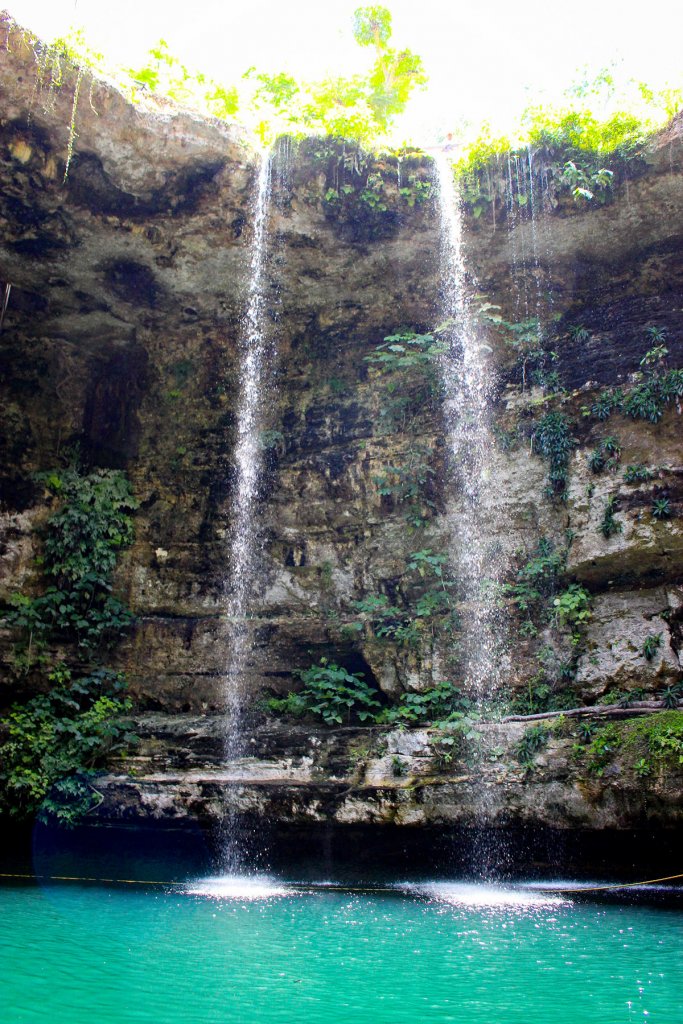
(467, 383)
(255, 360)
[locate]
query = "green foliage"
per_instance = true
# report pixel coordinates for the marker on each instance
(271, 440)
(423, 605)
(389, 622)
(417, 191)
(638, 474)
(407, 484)
(56, 740)
(331, 693)
(585, 183)
(648, 399)
(426, 563)
(585, 730)
(572, 607)
(646, 745)
(334, 694)
(438, 703)
(578, 146)
(579, 333)
(553, 439)
(452, 739)
(609, 526)
(373, 193)
(66, 60)
(540, 696)
(165, 75)
(408, 363)
(410, 351)
(525, 338)
(338, 386)
(537, 578)
(605, 404)
(661, 508)
(372, 26)
(672, 695)
(82, 541)
(579, 133)
(651, 645)
(605, 455)
(534, 740)
(623, 698)
(358, 107)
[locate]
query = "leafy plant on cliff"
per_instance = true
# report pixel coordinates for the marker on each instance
(553, 440)
(655, 741)
(407, 483)
(80, 546)
(407, 361)
(577, 145)
(537, 578)
(534, 740)
(330, 692)
(638, 474)
(651, 645)
(407, 351)
(656, 388)
(661, 508)
(572, 608)
(55, 739)
(605, 455)
(436, 704)
(609, 525)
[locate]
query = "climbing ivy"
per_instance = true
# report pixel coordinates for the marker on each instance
(55, 739)
(81, 543)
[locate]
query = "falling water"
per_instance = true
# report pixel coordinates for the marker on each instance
(467, 382)
(254, 378)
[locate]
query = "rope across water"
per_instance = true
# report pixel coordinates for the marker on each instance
(342, 888)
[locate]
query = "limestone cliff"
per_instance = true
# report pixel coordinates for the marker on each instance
(128, 285)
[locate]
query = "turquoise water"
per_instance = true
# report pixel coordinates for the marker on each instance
(210, 953)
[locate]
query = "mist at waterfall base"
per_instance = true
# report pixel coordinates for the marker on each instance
(427, 952)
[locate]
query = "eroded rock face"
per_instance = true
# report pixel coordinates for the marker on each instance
(128, 283)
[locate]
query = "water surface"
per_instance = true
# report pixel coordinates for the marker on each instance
(269, 953)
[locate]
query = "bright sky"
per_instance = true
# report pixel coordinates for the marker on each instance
(484, 57)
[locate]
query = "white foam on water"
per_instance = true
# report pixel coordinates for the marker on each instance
(237, 887)
(475, 894)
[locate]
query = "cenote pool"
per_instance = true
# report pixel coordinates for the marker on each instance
(258, 950)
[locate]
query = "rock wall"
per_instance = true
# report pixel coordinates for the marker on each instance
(128, 283)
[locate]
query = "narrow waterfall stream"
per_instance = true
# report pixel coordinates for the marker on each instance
(254, 380)
(467, 380)
(467, 383)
